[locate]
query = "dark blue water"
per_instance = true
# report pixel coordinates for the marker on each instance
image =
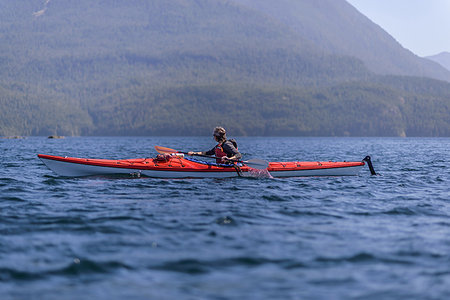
(363, 237)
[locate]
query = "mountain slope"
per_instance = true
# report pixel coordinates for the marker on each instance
(182, 66)
(442, 58)
(163, 41)
(337, 27)
(73, 53)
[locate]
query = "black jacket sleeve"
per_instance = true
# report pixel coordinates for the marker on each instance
(211, 152)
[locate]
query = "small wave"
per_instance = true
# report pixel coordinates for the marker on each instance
(443, 223)
(426, 210)
(53, 181)
(7, 180)
(17, 189)
(275, 198)
(362, 213)
(7, 274)
(195, 266)
(75, 268)
(334, 281)
(361, 257)
(404, 253)
(11, 199)
(412, 211)
(443, 273)
(409, 169)
(116, 218)
(74, 224)
(298, 213)
(400, 211)
(86, 266)
(11, 165)
(189, 266)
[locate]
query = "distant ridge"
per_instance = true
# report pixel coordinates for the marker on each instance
(442, 58)
(339, 28)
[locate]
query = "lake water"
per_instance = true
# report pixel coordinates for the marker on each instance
(361, 237)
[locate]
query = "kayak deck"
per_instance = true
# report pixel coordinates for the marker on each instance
(177, 166)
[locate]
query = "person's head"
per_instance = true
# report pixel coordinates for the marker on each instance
(220, 134)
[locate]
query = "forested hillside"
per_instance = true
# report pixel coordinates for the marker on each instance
(388, 106)
(177, 67)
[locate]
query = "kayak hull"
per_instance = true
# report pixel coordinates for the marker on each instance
(179, 167)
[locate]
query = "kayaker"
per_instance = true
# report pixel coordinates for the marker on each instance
(225, 149)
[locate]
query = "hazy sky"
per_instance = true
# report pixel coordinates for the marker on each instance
(422, 26)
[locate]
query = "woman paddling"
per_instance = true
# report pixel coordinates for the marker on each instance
(225, 150)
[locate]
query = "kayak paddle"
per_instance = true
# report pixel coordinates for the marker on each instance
(254, 163)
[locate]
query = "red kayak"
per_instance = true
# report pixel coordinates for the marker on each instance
(178, 166)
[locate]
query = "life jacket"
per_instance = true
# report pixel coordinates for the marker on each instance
(220, 152)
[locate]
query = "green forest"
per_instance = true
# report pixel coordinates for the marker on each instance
(182, 67)
(351, 109)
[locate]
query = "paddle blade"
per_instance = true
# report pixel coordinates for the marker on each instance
(164, 150)
(256, 163)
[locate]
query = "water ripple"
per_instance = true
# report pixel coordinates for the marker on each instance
(76, 268)
(115, 237)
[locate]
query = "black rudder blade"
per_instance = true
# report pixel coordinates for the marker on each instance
(369, 163)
